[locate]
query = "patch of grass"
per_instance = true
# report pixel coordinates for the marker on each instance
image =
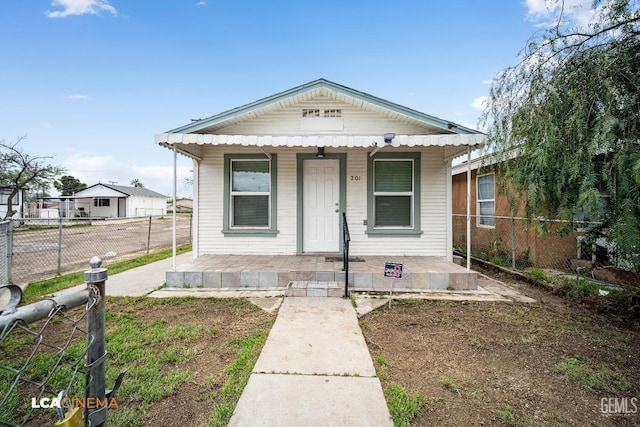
(538, 275)
(444, 303)
(237, 376)
(39, 289)
(403, 406)
(597, 378)
(507, 413)
(450, 384)
(382, 360)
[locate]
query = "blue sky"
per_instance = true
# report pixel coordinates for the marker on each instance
(92, 81)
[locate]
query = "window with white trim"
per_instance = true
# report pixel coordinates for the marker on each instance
(101, 202)
(310, 112)
(486, 200)
(250, 193)
(393, 193)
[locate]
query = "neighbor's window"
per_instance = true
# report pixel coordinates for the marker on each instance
(250, 193)
(4, 197)
(101, 202)
(486, 201)
(393, 193)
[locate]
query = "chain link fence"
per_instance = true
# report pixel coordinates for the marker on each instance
(52, 357)
(521, 243)
(43, 248)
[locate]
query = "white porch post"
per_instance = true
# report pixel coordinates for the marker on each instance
(175, 178)
(468, 208)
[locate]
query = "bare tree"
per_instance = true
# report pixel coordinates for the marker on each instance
(18, 170)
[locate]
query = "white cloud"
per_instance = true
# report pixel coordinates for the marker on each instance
(201, 3)
(94, 169)
(479, 103)
(79, 97)
(547, 12)
(80, 7)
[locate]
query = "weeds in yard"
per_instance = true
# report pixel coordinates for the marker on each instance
(402, 406)
(509, 414)
(450, 384)
(382, 360)
(538, 275)
(237, 376)
(600, 378)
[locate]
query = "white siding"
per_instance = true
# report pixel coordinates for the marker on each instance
(356, 121)
(434, 224)
(145, 206)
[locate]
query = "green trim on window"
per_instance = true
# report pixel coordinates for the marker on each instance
(272, 230)
(414, 231)
(300, 157)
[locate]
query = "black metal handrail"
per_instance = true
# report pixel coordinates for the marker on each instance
(346, 238)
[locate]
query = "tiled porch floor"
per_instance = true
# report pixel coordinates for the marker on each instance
(276, 271)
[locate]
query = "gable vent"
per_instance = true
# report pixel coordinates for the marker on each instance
(315, 112)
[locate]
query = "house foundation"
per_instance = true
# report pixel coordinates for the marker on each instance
(366, 273)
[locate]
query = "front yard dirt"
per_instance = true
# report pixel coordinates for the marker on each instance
(475, 363)
(493, 363)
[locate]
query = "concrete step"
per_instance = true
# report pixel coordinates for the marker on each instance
(308, 288)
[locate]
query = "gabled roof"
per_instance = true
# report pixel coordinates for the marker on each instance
(309, 89)
(127, 191)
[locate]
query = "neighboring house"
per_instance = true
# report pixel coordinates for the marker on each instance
(17, 202)
(118, 201)
(184, 206)
(274, 176)
(493, 227)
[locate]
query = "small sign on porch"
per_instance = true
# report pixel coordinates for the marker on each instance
(393, 269)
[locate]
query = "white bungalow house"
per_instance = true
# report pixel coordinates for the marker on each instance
(274, 176)
(118, 201)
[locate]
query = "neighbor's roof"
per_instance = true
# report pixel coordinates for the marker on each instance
(127, 191)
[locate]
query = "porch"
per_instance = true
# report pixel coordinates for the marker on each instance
(366, 273)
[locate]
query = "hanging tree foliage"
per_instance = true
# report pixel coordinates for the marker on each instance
(564, 124)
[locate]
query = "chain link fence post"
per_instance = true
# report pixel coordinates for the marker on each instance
(95, 415)
(149, 236)
(59, 246)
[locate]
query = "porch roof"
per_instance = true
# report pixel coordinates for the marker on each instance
(190, 143)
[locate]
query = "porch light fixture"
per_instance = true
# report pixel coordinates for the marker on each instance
(320, 153)
(388, 137)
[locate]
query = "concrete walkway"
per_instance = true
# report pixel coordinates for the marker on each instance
(137, 281)
(314, 370)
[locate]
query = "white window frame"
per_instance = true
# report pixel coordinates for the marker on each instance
(394, 193)
(479, 201)
(101, 202)
(233, 194)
